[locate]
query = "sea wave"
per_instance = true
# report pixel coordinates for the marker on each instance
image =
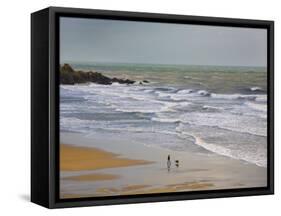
(154, 109)
(255, 88)
(168, 120)
(192, 94)
(257, 158)
(227, 143)
(236, 123)
(257, 106)
(234, 96)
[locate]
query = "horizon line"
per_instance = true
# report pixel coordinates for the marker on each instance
(168, 64)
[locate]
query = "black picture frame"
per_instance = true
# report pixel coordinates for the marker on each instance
(45, 106)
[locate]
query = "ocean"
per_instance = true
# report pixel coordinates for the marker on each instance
(201, 109)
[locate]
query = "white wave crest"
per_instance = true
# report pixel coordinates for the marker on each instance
(255, 88)
(257, 158)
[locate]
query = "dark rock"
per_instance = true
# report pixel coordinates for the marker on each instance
(67, 68)
(69, 76)
(145, 81)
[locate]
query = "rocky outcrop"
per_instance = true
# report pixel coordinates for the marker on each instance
(69, 76)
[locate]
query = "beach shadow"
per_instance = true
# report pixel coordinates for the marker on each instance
(25, 197)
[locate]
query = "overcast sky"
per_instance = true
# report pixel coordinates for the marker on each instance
(97, 40)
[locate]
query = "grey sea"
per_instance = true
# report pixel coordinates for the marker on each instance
(200, 109)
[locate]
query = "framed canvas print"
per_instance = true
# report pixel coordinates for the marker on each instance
(139, 107)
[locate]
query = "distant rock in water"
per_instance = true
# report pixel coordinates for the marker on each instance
(69, 76)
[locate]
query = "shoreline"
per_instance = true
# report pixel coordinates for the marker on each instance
(116, 167)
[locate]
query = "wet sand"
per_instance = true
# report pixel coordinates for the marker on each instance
(92, 177)
(145, 189)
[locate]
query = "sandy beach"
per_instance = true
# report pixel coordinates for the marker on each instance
(91, 166)
(82, 158)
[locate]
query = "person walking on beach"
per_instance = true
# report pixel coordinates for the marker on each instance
(169, 163)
